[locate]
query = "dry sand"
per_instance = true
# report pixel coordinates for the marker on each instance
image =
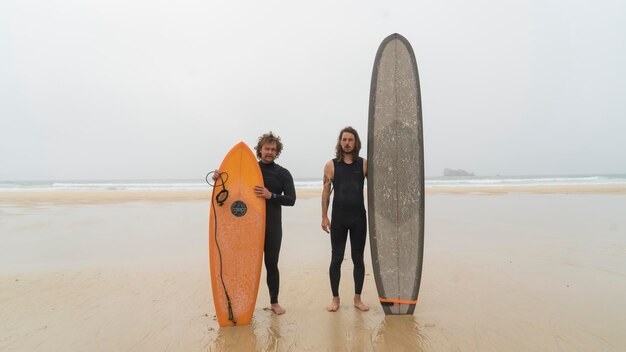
(530, 270)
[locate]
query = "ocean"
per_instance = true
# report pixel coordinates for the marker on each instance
(200, 185)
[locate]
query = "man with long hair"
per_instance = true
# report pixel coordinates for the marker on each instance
(345, 175)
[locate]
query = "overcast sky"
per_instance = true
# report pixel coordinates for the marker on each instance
(137, 89)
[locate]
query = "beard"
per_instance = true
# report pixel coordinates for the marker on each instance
(351, 152)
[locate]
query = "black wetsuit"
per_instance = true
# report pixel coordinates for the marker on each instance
(277, 180)
(348, 214)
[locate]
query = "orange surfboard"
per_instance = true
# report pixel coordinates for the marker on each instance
(236, 237)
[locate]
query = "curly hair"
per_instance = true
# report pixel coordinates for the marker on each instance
(268, 138)
(357, 145)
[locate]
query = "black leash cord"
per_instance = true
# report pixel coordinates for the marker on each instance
(224, 194)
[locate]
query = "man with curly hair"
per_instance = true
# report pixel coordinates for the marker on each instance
(278, 191)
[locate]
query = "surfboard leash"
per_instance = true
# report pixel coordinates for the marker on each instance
(222, 195)
(220, 198)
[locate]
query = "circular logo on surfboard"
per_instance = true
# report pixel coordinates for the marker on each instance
(239, 208)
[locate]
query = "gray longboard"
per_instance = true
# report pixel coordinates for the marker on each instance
(395, 176)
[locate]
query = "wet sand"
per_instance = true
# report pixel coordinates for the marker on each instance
(504, 270)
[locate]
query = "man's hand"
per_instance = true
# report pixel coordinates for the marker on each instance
(216, 175)
(262, 192)
(326, 224)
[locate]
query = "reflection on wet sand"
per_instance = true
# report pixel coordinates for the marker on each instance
(269, 332)
(399, 333)
(348, 329)
(237, 338)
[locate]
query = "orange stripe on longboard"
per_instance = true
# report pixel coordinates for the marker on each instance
(400, 301)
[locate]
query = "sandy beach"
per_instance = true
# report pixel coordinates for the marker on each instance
(505, 269)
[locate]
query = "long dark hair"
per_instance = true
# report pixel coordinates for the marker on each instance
(357, 145)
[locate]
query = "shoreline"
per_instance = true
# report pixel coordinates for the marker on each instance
(533, 189)
(25, 198)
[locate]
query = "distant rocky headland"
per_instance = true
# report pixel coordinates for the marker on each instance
(459, 172)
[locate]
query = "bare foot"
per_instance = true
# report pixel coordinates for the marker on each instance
(359, 304)
(277, 309)
(334, 306)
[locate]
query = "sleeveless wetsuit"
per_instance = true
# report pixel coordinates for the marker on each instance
(348, 214)
(277, 180)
